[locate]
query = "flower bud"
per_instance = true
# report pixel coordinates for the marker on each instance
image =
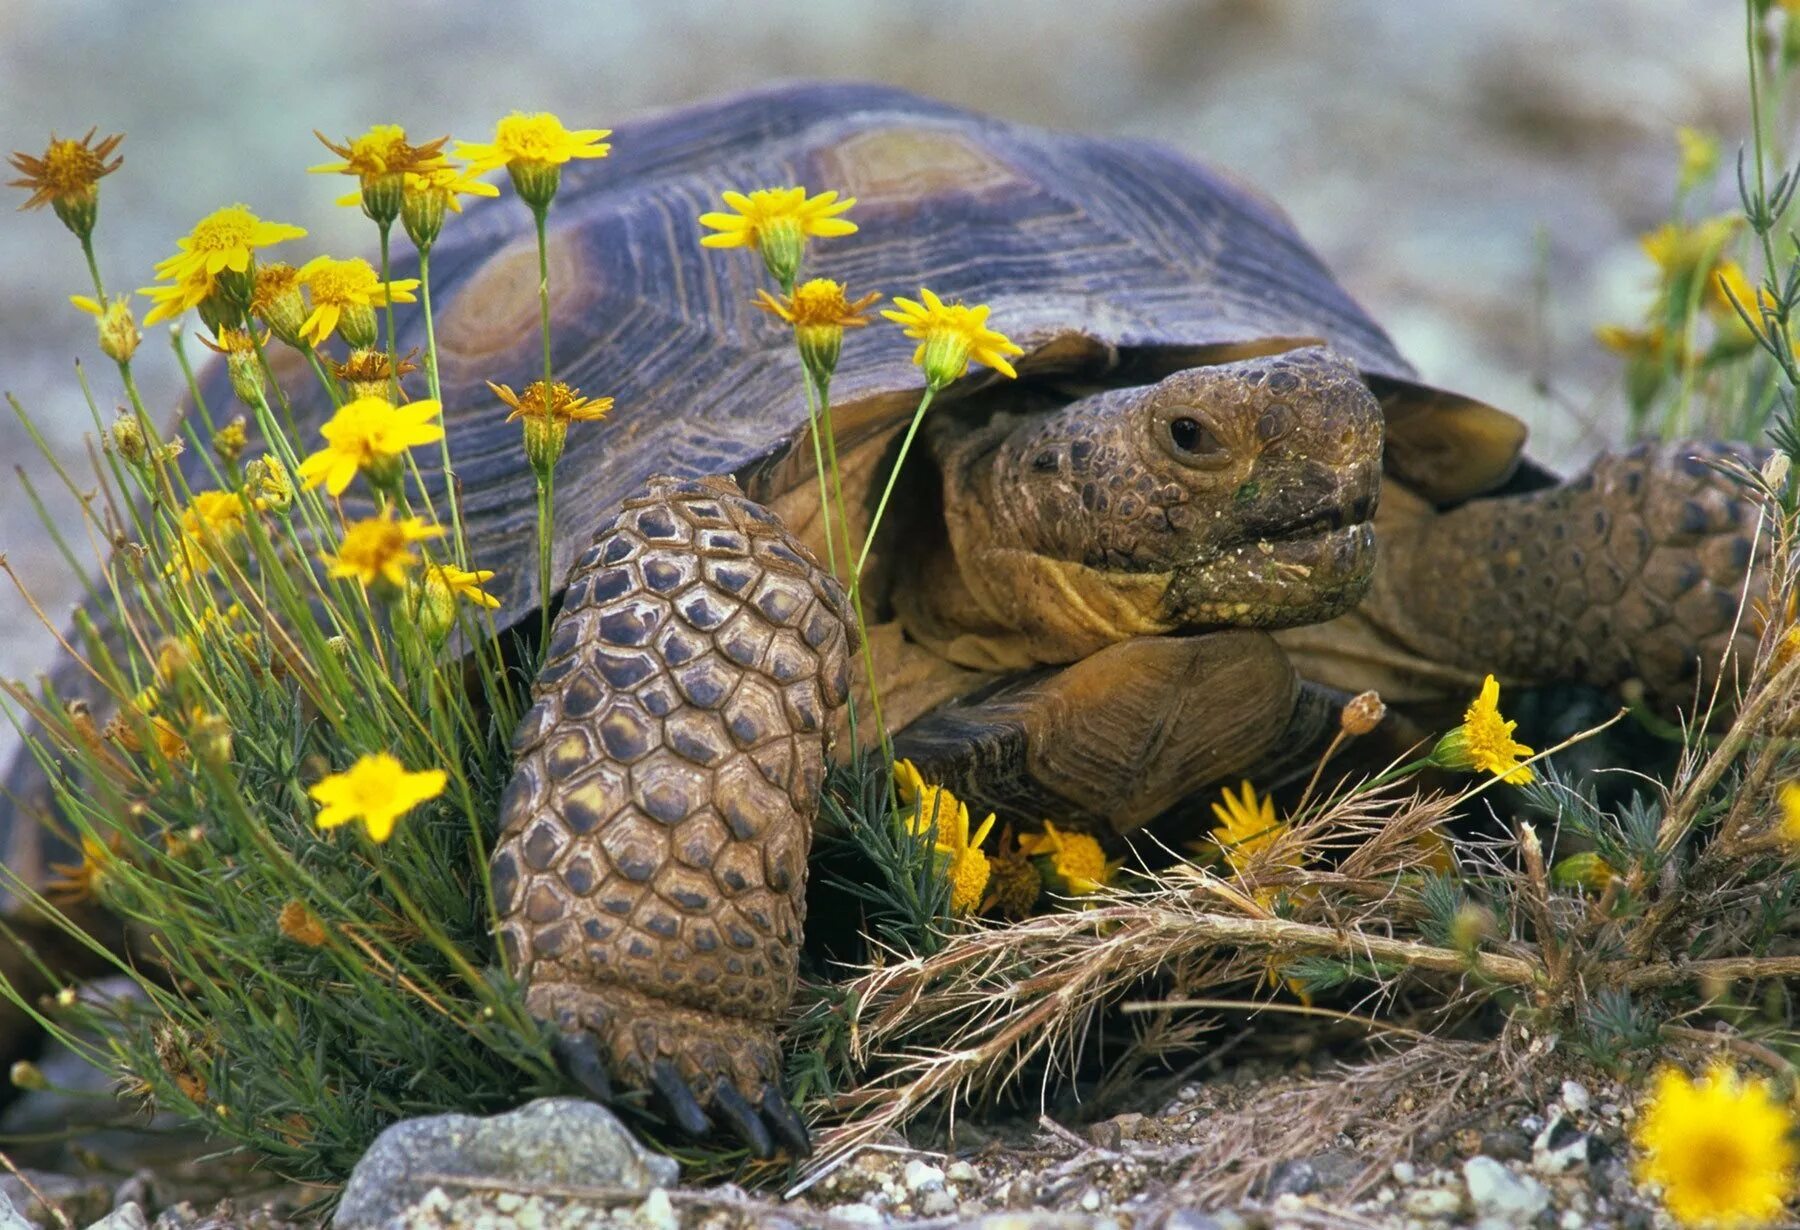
(269, 485)
(381, 195)
(230, 441)
(27, 1075)
(278, 302)
(356, 325)
(537, 183)
(1362, 714)
(127, 439)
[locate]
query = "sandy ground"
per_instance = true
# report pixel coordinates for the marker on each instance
(1475, 172)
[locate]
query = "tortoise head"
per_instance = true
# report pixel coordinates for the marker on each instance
(1233, 495)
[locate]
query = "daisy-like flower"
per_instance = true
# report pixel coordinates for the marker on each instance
(426, 195)
(949, 336)
(547, 417)
(379, 549)
(1681, 250)
(278, 303)
(369, 435)
(213, 521)
(119, 336)
(67, 178)
(1721, 1148)
(84, 881)
(377, 790)
(819, 311)
(1790, 813)
(1014, 885)
(1484, 741)
(367, 371)
(344, 297)
(776, 222)
(380, 159)
(225, 242)
(1247, 825)
(964, 864)
(168, 302)
(1071, 864)
(533, 148)
(434, 598)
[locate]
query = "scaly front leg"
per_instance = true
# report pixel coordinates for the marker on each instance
(651, 870)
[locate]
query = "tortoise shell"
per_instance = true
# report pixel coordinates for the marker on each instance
(1096, 254)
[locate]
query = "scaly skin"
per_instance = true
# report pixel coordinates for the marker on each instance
(1640, 568)
(651, 869)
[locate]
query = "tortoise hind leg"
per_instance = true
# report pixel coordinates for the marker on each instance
(651, 869)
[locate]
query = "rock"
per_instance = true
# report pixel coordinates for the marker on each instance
(552, 1140)
(1560, 1148)
(1497, 1193)
(9, 1216)
(1437, 1202)
(922, 1177)
(1405, 1173)
(1506, 1146)
(857, 1214)
(1038, 1221)
(1575, 1097)
(1191, 1219)
(961, 1172)
(656, 1213)
(127, 1216)
(1090, 1200)
(937, 1203)
(81, 1200)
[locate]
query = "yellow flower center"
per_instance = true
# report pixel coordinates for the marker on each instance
(819, 302)
(225, 230)
(378, 151)
(968, 876)
(342, 284)
(530, 138)
(1080, 858)
(70, 168)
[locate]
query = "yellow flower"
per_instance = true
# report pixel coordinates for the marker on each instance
(434, 601)
(1484, 741)
(1680, 250)
(819, 311)
(547, 418)
(119, 335)
(1247, 825)
(1790, 813)
(301, 925)
(67, 178)
(378, 549)
(225, 239)
(1013, 882)
(172, 300)
(1720, 1148)
(965, 866)
(1072, 864)
(345, 295)
(1730, 298)
(1651, 343)
(380, 159)
(213, 521)
(425, 195)
(533, 149)
(776, 222)
(241, 362)
(370, 435)
(378, 790)
(367, 372)
(84, 880)
(1699, 156)
(950, 335)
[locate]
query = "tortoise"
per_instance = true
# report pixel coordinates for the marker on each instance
(1215, 502)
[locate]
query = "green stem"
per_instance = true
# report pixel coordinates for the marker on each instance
(813, 416)
(540, 214)
(546, 516)
(87, 250)
(387, 310)
(437, 395)
(912, 429)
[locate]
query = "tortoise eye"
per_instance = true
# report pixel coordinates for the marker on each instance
(1194, 442)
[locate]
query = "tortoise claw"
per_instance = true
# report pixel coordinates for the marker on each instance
(578, 1055)
(741, 1117)
(785, 1122)
(678, 1098)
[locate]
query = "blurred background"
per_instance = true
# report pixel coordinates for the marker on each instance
(1476, 172)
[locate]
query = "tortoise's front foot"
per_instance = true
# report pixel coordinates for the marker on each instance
(651, 870)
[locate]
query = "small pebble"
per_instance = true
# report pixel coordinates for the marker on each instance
(937, 1203)
(857, 1214)
(1499, 1194)
(1575, 1097)
(1090, 1200)
(1405, 1173)
(1433, 1202)
(922, 1176)
(961, 1172)
(657, 1212)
